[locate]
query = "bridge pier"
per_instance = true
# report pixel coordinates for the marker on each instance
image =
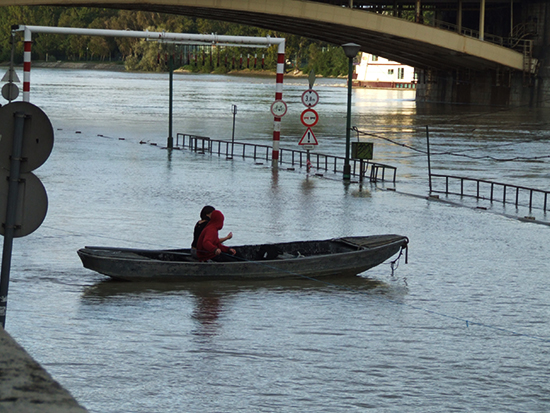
(490, 87)
(502, 87)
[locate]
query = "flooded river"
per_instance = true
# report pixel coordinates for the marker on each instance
(464, 326)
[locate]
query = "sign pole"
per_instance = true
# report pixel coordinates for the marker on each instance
(234, 110)
(10, 80)
(9, 225)
(429, 161)
(170, 143)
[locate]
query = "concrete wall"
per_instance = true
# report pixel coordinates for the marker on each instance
(25, 387)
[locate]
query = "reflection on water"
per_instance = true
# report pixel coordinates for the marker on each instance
(211, 297)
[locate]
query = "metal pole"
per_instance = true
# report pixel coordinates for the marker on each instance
(234, 110)
(512, 18)
(429, 161)
(482, 20)
(459, 18)
(347, 168)
(9, 224)
(278, 96)
(27, 66)
(170, 143)
(10, 80)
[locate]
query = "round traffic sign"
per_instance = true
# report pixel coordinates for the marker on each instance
(310, 98)
(32, 203)
(10, 91)
(309, 118)
(278, 108)
(37, 135)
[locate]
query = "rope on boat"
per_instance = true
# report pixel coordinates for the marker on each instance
(395, 263)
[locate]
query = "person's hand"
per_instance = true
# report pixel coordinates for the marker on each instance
(218, 251)
(232, 251)
(229, 236)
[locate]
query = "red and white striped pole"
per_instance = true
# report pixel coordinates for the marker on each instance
(278, 96)
(27, 66)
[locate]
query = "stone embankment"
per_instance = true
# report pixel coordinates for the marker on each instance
(25, 387)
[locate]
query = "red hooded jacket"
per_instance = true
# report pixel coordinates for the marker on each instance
(209, 240)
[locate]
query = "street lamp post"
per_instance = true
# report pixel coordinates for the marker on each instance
(351, 50)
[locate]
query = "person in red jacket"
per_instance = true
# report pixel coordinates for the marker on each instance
(209, 245)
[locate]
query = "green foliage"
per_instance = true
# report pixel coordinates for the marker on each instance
(139, 54)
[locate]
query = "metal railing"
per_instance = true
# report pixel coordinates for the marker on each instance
(517, 43)
(487, 190)
(293, 157)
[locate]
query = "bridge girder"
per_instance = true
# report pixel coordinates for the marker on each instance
(409, 43)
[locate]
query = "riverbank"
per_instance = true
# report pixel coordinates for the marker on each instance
(120, 67)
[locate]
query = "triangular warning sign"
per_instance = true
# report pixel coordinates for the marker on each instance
(308, 138)
(14, 77)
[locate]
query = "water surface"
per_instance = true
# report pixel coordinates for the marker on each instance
(462, 327)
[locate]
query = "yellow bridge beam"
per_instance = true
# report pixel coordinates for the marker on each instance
(410, 43)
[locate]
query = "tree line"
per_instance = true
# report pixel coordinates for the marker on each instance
(138, 54)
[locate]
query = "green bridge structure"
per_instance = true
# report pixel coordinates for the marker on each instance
(488, 52)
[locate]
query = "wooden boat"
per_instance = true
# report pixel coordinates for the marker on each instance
(333, 257)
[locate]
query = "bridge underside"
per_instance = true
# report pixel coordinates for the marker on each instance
(412, 44)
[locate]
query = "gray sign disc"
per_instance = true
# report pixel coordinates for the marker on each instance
(32, 203)
(37, 135)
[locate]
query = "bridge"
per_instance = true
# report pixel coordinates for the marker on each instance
(394, 38)
(437, 41)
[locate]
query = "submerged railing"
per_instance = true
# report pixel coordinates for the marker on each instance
(492, 191)
(359, 168)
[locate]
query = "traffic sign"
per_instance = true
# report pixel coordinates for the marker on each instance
(10, 91)
(32, 203)
(310, 98)
(11, 76)
(311, 78)
(278, 108)
(37, 135)
(308, 138)
(309, 118)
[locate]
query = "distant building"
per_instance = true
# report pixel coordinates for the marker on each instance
(376, 72)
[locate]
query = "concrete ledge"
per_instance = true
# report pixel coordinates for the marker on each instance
(25, 387)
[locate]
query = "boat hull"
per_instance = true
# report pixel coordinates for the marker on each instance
(335, 257)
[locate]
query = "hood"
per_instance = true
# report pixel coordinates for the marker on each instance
(216, 219)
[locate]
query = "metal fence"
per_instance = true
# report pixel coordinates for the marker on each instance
(492, 191)
(292, 157)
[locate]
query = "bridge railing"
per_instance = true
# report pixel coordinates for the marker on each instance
(292, 157)
(440, 24)
(489, 190)
(517, 42)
